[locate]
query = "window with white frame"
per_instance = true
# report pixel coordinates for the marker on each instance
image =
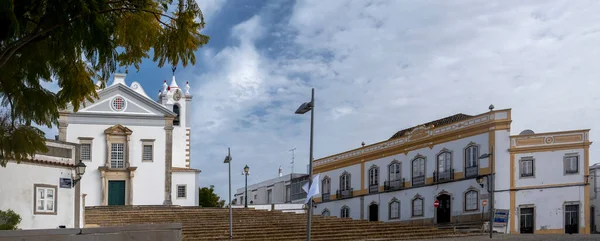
(45, 199)
(326, 185)
(374, 175)
(471, 200)
(417, 207)
(471, 158)
(571, 164)
(325, 213)
(418, 167)
(444, 161)
(181, 191)
(526, 167)
(394, 209)
(85, 151)
(345, 212)
(345, 181)
(117, 155)
(394, 171)
(147, 153)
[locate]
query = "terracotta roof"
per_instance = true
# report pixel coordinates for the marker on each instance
(48, 163)
(440, 122)
(184, 169)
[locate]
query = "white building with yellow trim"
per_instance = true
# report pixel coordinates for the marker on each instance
(540, 178)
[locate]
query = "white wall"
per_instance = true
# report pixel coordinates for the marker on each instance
(16, 193)
(335, 207)
(594, 199)
(502, 160)
(549, 211)
(149, 178)
(548, 168)
(188, 179)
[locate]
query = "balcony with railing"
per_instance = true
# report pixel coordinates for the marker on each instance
(418, 181)
(325, 196)
(374, 188)
(444, 176)
(393, 185)
(342, 194)
(472, 171)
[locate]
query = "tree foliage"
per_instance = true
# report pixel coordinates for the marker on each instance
(9, 220)
(76, 43)
(208, 198)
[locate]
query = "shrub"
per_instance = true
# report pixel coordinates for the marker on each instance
(9, 220)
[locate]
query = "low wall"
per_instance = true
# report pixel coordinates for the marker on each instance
(148, 232)
(284, 207)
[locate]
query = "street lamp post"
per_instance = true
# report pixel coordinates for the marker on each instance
(228, 161)
(246, 172)
(490, 181)
(306, 107)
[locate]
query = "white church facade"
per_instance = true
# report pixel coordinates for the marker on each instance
(136, 149)
(541, 179)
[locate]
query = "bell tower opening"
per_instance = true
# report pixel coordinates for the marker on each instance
(176, 111)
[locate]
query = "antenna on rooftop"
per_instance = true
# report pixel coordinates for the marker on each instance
(292, 150)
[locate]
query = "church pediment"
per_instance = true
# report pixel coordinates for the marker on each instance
(118, 130)
(120, 99)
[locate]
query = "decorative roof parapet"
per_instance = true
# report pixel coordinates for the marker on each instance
(418, 133)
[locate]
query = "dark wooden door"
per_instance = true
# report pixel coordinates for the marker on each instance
(116, 192)
(373, 212)
(571, 219)
(527, 220)
(443, 210)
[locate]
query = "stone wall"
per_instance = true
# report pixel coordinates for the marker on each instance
(149, 232)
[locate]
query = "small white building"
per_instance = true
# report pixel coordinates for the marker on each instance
(540, 179)
(40, 190)
(137, 150)
(594, 199)
(283, 189)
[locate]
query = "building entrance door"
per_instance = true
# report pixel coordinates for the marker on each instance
(116, 192)
(443, 210)
(374, 212)
(527, 220)
(571, 219)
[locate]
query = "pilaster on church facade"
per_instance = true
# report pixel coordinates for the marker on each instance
(132, 144)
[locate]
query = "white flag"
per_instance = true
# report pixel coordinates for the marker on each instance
(314, 189)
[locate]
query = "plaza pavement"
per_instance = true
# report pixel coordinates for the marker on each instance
(524, 237)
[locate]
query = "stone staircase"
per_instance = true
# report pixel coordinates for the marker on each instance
(249, 224)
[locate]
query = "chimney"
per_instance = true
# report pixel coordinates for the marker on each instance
(56, 137)
(119, 79)
(280, 172)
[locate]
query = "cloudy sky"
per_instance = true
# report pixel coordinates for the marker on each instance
(378, 67)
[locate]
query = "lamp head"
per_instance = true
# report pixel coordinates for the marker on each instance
(305, 107)
(484, 156)
(80, 168)
(246, 169)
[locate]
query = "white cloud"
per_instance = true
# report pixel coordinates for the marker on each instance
(381, 66)
(210, 8)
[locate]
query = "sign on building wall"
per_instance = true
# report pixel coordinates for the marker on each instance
(501, 218)
(66, 182)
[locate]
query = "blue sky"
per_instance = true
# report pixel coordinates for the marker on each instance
(377, 67)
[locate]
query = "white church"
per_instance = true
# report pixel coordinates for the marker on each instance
(137, 150)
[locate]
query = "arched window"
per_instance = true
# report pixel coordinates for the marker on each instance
(345, 181)
(471, 161)
(326, 185)
(444, 166)
(176, 111)
(417, 207)
(394, 209)
(325, 213)
(345, 212)
(471, 200)
(394, 171)
(418, 171)
(374, 175)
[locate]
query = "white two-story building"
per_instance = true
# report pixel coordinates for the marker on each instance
(137, 150)
(541, 179)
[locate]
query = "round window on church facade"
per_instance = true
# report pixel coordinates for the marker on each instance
(118, 103)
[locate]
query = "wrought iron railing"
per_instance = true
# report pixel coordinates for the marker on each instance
(472, 171)
(393, 185)
(418, 181)
(325, 196)
(444, 176)
(374, 188)
(341, 194)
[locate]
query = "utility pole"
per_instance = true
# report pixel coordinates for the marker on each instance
(291, 173)
(292, 150)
